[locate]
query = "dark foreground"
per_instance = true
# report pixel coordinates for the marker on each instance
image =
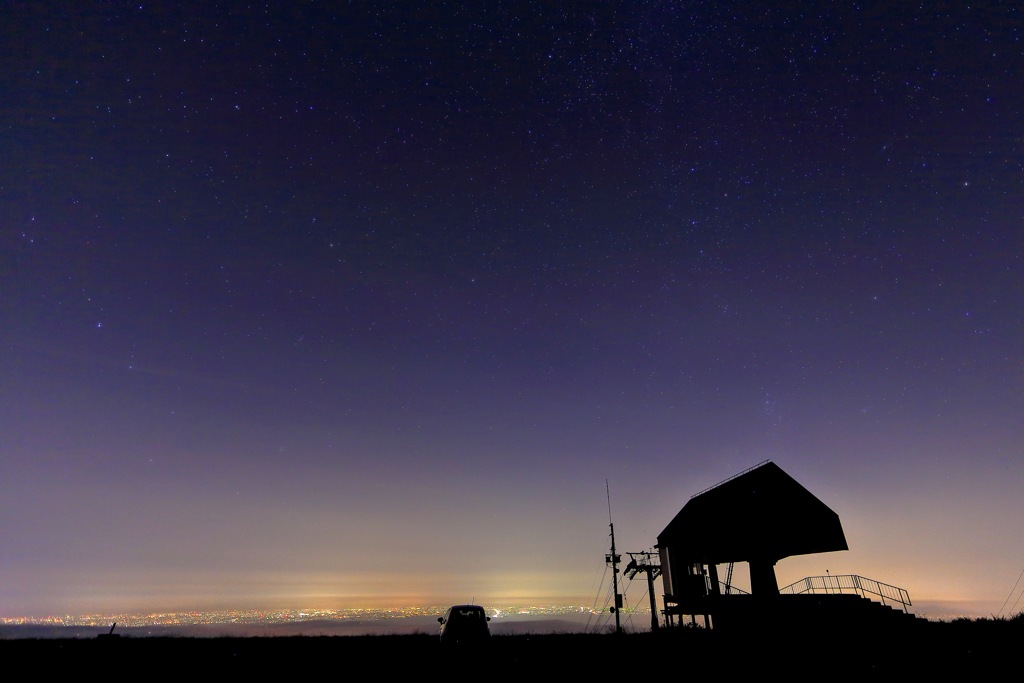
(964, 648)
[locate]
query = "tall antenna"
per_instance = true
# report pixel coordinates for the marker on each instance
(613, 560)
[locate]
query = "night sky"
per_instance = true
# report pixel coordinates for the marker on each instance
(331, 304)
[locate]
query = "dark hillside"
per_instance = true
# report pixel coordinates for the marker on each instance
(961, 647)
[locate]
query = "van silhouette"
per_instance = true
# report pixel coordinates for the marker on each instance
(464, 624)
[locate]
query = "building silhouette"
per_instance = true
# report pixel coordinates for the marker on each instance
(759, 517)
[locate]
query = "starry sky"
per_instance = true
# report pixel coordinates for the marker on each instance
(343, 303)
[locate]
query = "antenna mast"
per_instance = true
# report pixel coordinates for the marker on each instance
(613, 560)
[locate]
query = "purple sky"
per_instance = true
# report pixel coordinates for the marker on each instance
(336, 304)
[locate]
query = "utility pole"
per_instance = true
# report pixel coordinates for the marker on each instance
(613, 560)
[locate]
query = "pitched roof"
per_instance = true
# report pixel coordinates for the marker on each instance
(761, 514)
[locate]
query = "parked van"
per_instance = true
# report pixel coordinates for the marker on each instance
(464, 624)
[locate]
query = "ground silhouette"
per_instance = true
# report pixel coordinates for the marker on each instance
(961, 647)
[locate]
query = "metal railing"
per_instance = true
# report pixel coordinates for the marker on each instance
(850, 584)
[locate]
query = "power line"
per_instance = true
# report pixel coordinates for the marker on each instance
(1012, 591)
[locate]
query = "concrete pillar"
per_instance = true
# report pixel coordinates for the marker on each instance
(716, 588)
(762, 578)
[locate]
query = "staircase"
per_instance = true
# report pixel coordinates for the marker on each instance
(849, 584)
(827, 607)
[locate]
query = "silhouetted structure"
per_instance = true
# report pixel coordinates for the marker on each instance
(759, 517)
(110, 633)
(642, 563)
